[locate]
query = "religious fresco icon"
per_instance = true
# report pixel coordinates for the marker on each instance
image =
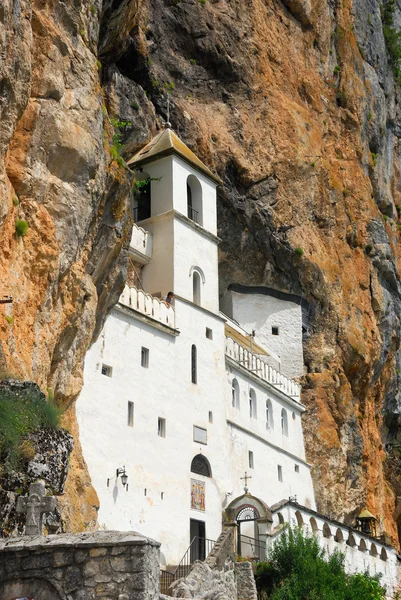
(197, 494)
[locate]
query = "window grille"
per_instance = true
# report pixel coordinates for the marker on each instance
(201, 466)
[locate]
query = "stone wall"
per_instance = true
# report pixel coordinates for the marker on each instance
(112, 565)
(246, 586)
(205, 583)
(223, 550)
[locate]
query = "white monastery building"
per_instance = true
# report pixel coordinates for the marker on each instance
(183, 405)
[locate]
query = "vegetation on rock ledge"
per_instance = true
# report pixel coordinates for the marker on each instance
(23, 409)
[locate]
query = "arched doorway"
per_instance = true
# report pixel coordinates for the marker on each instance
(36, 589)
(248, 538)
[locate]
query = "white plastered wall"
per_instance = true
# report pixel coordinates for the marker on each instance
(261, 312)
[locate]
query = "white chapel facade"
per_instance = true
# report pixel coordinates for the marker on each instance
(184, 399)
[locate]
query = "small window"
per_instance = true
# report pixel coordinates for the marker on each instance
(161, 427)
(106, 370)
(280, 472)
(130, 416)
(162, 495)
(145, 491)
(200, 435)
(296, 468)
(194, 374)
(284, 422)
(210, 416)
(235, 393)
(275, 330)
(294, 416)
(252, 404)
(209, 333)
(250, 459)
(145, 358)
(269, 414)
(196, 288)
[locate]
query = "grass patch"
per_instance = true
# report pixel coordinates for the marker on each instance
(192, 61)
(135, 105)
(22, 411)
(8, 319)
(21, 227)
(299, 251)
(15, 201)
(337, 69)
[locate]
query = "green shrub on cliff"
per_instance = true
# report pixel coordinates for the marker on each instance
(392, 38)
(298, 569)
(23, 409)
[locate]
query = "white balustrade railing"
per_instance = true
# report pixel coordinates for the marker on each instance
(141, 241)
(253, 363)
(148, 305)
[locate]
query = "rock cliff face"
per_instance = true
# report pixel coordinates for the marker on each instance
(294, 104)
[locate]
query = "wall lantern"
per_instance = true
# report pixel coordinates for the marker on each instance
(124, 477)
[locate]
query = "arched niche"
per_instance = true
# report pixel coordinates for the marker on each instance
(313, 525)
(339, 536)
(362, 546)
(299, 519)
(36, 588)
(194, 200)
(383, 554)
(198, 280)
(326, 531)
(201, 465)
(373, 550)
(253, 412)
(351, 540)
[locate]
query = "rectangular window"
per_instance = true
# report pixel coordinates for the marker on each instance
(280, 472)
(200, 435)
(106, 370)
(210, 416)
(250, 459)
(161, 427)
(144, 357)
(209, 333)
(275, 330)
(296, 468)
(130, 416)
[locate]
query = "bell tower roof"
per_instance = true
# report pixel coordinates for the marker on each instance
(165, 144)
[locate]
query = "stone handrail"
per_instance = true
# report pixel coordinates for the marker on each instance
(141, 241)
(253, 363)
(148, 305)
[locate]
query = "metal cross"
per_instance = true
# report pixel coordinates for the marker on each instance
(34, 506)
(246, 477)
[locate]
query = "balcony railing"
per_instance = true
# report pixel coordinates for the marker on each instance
(192, 214)
(148, 305)
(259, 368)
(141, 244)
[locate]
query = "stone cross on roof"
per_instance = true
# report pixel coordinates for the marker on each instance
(35, 506)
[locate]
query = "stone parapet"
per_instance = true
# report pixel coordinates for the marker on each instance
(246, 586)
(86, 566)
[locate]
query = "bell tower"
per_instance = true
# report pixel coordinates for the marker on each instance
(176, 202)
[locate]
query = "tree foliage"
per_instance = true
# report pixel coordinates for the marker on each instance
(298, 569)
(392, 37)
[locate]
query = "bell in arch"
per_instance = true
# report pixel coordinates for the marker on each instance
(366, 523)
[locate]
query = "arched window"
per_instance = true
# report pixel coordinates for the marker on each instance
(194, 200)
(235, 393)
(351, 540)
(201, 466)
(196, 288)
(280, 519)
(142, 198)
(373, 550)
(269, 414)
(284, 422)
(194, 367)
(326, 531)
(362, 546)
(383, 554)
(253, 411)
